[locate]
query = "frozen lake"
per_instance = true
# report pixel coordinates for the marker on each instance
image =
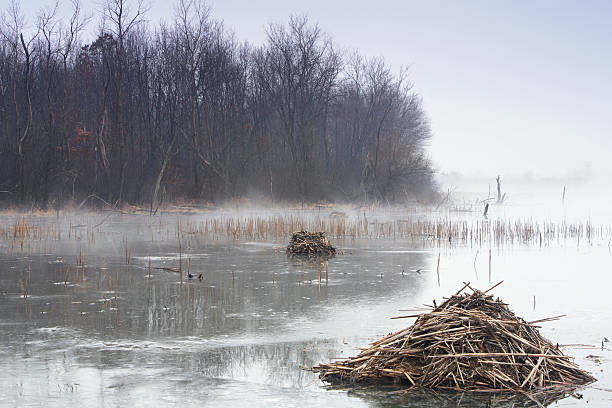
(83, 327)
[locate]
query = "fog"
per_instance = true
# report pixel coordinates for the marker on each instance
(147, 199)
(509, 87)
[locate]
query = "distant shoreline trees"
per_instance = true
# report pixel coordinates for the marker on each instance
(185, 111)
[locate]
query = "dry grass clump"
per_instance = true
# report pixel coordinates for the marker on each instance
(470, 342)
(310, 244)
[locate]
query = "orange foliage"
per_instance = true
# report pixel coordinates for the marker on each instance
(80, 142)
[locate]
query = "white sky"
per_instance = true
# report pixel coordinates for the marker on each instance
(510, 87)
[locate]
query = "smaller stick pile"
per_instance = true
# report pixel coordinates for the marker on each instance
(469, 342)
(310, 244)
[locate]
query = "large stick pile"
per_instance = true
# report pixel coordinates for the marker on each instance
(310, 244)
(469, 342)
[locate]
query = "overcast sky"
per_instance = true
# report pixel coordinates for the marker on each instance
(510, 87)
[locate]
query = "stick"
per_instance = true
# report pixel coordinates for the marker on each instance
(493, 287)
(534, 369)
(438, 269)
(489, 266)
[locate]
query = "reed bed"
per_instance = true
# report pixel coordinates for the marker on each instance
(20, 230)
(439, 231)
(471, 342)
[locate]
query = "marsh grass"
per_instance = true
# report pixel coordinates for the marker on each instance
(25, 233)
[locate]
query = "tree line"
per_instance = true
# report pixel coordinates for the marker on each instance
(186, 111)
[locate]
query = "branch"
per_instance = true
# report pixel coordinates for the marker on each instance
(203, 159)
(112, 207)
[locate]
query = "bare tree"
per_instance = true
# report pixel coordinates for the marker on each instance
(192, 20)
(122, 21)
(185, 110)
(299, 73)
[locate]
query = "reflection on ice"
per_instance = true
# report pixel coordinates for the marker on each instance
(103, 332)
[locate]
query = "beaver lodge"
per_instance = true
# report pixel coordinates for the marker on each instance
(471, 342)
(310, 244)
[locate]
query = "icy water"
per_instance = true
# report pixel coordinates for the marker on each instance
(107, 333)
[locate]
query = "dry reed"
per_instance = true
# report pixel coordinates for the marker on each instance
(470, 342)
(310, 244)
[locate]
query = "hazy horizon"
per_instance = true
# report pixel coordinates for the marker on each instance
(509, 88)
(187, 220)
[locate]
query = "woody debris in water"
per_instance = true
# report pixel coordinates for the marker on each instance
(470, 342)
(310, 244)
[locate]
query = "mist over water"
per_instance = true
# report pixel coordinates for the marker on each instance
(141, 112)
(571, 199)
(96, 330)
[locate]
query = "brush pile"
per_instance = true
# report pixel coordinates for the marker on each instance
(470, 342)
(310, 244)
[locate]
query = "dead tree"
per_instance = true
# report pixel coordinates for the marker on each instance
(500, 197)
